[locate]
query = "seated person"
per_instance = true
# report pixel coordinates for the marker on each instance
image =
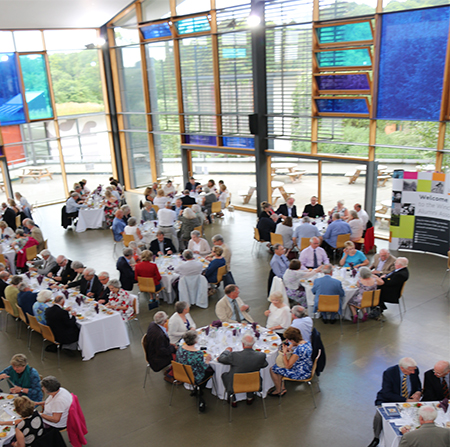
(187, 199)
(44, 297)
(223, 196)
(231, 308)
(132, 229)
(180, 322)
(436, 382)
(279, 313)
(190, 267)
(45, 265)
(383, 262)
(267, 225)
(169, 189)
(335, 228)
(305, 230)
(198, 245)
(162, 246)
(119, 299)
(287, 209)
(191, 185)
(21, 244)
(393, 283)
(160, 200)
(291, 279)
(188, 354)
(148, 212)
(189, 221)
(118, 226)
(314, 209)
(73, 205)
(215, 264)
(63, 271)
(5, 230)
(266, 211)
(339, 209)
(124, 266)
(356, 226)
(209, 199)
(285, 229)
(148, 269)
(26, 298)
(354, 256)
(89, 284)
(297, 361)
(313, 256)
(302, 322)
(178, 207)
(12, 292)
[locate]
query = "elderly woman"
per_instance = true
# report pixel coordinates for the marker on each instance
(30, 427)
(188, 222)
(352, 255)
(110, 207)
(292, 281)
(223, 195)
(21, 244)
(119, 299)
(78, 267)
(187, 354)
(132, 229)
(279, 313)
(285, 229)
(296, 358)
(148, 269)
(199, 213)
(25, 379)
(160, 200)
(356, 225)
(12, 291)
(5, 230)
(56, 406)
(180, 322)
(41, 305)
(217, 262)
(367, 282)
(339, 208)
(198, 245)
(148, 213)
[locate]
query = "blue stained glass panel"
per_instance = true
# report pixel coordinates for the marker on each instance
(351, 32)
(154, 31)
(203, 140)
(248, 143)
(194, 25)
(348, 106)
(412, 62)
(11, 102)
(343, 82)
(344, 58)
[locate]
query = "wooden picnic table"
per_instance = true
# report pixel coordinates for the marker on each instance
(35, 173)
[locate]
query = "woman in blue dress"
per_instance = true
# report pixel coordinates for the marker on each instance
(352, 255)
(213, 267)
(296, 359)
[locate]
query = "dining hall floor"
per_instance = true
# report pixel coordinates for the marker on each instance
(119, 412)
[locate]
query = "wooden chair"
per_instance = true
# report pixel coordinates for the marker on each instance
(31, 253)
(184, 374)
(127, 238)
(3, 259)
(199, 229)
(216, 208)
(23, 318)
(247, 383)
(147, 368)
(368, 300)
(446, 273)
(34, 327)
(18, 222)
(329, 303)
(399, 301)
(304, 243)
(308, 380)
(221, 272)
(276, 239)
(156, 208)
(257, 239)
(340, 243)
(9, 311)
(148, 285)
(46, 244)
(47, 335)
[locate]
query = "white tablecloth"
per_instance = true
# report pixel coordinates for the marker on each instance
(7, 413)
(90, 218)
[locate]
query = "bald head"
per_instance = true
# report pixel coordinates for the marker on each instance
(441, 368)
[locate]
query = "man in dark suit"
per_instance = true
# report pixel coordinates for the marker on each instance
(9, 216)
(126, 271)
(401, 383)
(103, 296)
(3, 285)
(160, 352)
(436, 382)
(63, 271)
(191, 185)
(89, 283)
(287, 209)
(244, 361)
(314, 209)
(393, 283)
(267, 225)
(62, 323)
(162, 245)
(26, 298)
(187, 199)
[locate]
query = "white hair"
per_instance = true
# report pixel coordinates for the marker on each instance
(407, 362)
(160, 317)
(89, 271)
(427, 413)
(44, 295)
(403, 261)
(248, 340)
(45, 252)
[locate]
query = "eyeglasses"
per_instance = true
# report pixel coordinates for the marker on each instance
(440, 373)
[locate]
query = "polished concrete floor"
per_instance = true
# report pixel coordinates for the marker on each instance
(120, 412)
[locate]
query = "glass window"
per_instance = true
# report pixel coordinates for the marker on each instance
(193, 25)
(6, 42)
(349, 32)
(125, 30)
(230, 3)
(395, 5)
(343, 130)
(156, 31)
(134, 121)
(185, 7)
(343, 82)
(345, 106)
(344, 58)
(39, 131)
(138, 159)
(82, 125)
(69, 39)
(76, 81)
(168, 156)
(282, 12)
(37, 92)
(232, 19)
(11, 101)
(28, 41)
(155, 9)
(336, 9)
(288, 145)
(130, 78)
(343, 149)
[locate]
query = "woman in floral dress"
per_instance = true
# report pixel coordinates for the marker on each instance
(111, 205)
(120, 300)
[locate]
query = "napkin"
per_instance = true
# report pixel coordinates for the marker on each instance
(444, 405)
(28, 275)
(65, 293)
(234, 332)
(216, 323)
(207, 330)
(78, 300)
(40, 278)
(96, 308)
(254, 324)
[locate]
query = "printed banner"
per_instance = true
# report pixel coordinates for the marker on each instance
(420, 213)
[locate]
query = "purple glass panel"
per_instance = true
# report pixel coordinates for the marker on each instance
(343, 82)
(347, 106)
(239, 142)
(204, 140)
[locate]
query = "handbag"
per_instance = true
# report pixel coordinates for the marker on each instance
(279, 361)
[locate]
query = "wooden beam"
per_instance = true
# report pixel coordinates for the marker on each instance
(319, 180)
(445, 111)
(316, 156)
(216, 74)
(177, 64)
(269, 179)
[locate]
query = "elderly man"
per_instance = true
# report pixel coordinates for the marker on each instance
(210, 198)
(287, 209)
(393, 283)
(36, 233)
(89, 284)
(428, 434)
(314, 255)
(160, 352)
(63, 271)
(327, 286)
(126, 213)
(72, 205)
(118, 226)
(401, 383)
(314, 209)
(191, 185)
(231, 308)
(26, 298)
(337, 227)
(305, 230)
(302, 322)
(279, 264)
(436, 382)
(63, 325)
(266, 226)
(162, 245)
(103, 296)
(245, 361)
(166, 219)
(125, 269)
(178, 207)
(361, 214)
(383, 262)
(187, 199)
(9, 216)
(190, 267)
(46, 265)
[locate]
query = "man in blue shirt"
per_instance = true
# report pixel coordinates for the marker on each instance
(279, 264)
(118, 226)
(305, 230)
(337, 227)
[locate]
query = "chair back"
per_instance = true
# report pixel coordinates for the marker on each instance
(448, 260)
(2, 259)
(183, 373)
(135, 311)
(256, 235)
(18, 222)
(8, 307)
(199, 229)
(276, 239)
(376, 298)
(127, 238)
(146, 284)
(342, 239)
(47, 333)
(156, 208)
(32, 321)
(367, 299)
(328, 303)
(21, 314)
(31, 252)
(227, 203)
(403, 289)
(46, 244)
(216, 207)
(246, 383)
(304, 243)
(144, 344)
(313, 370)
(221, 272)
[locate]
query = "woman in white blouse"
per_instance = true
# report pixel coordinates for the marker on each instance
(132, 229)
(198, 245)
(285, 229)
(279, 313)
(180, 322)
(169, 189)
(160, 200)
(356, 225)
(291, 280)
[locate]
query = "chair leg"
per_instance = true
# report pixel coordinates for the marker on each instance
(231, 396)
(171, 393)
(312, 394)
(357, 320)
(443, 279)
(318, 384)
(146, 373)
(58, 350)
(264, 406)
(29, 339)
(340, 321)
(43, 350)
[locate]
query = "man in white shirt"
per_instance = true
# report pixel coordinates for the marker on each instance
(362, 215)
(190, 267)
(166, 219)
(314, 255)
(72, 207)
(302, 322)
